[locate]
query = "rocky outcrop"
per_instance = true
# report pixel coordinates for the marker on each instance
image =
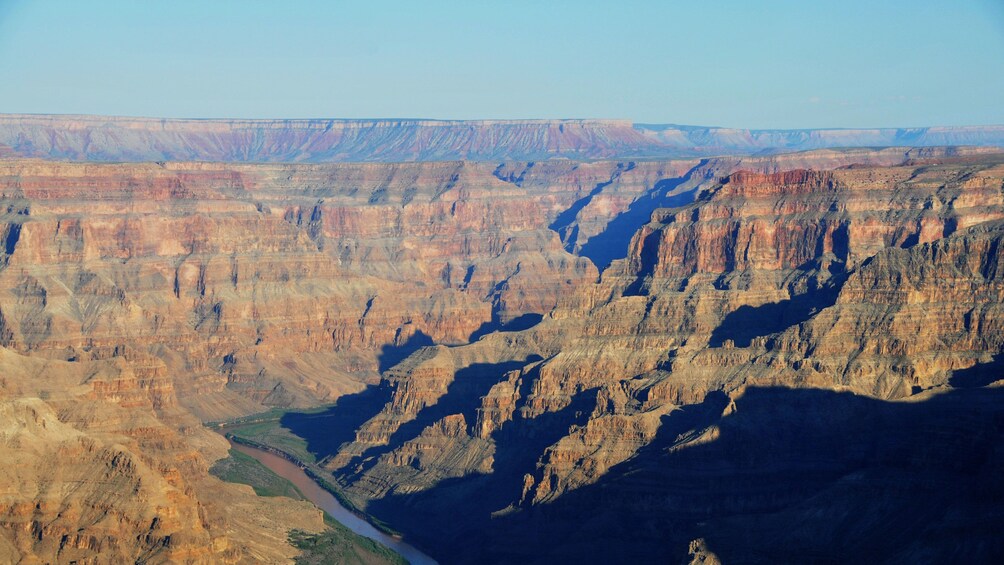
(546, 336)
(877, 280)
(96, 472)
(777, 222)
(912, 319)
(270, 284)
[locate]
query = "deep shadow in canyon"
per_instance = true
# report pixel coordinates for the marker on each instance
(979, 375)
(461, 508)
(393, 353)
(612, 243)
(565, 223)
(520, 323)
(325, 431)
(794, 475)
(744, 324)
(462, 395)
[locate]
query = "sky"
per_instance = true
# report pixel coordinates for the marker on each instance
(736, 63)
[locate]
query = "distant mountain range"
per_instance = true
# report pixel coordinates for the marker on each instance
(103, 139)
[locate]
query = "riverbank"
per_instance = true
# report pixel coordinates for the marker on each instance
(325, 500)
(335, 543)
(315, 476)
(261, 436)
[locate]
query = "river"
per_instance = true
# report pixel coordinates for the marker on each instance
(327, 502)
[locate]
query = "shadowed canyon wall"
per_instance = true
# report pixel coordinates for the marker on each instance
(542, 338)
(881, 284)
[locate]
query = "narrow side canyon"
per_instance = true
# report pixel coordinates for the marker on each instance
(608, 360)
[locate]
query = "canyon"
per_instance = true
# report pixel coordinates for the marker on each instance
(524, 342)
(740, 361)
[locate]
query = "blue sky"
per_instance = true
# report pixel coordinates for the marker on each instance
(763, 64)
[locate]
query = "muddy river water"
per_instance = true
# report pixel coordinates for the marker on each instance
(327, 502)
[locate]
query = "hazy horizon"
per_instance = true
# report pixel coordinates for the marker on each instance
(777, 65)
(517, 119)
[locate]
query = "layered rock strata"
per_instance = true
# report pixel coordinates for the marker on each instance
(116, 139)
(540, 330)
(100, 467)
(879, 281)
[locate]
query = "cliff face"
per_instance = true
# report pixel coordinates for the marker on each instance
(272, 284)
(102, 467)
(280, 285)
(879, 281)
(547, 337)
(111, 139)
(139, 298)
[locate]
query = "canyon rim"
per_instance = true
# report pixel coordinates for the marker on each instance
(478, 338)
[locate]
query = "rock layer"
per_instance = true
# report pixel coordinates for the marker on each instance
(114, 139)
(547, 336)
(882, 281)
(100, 468)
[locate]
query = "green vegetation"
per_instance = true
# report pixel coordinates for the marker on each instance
(337, 544)
(271, 433)
(340, 545)
(246, 470)
(345, 502)
(270, 414)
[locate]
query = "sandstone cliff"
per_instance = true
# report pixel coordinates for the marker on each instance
(547, 337)
(879, 281)
(101, 468)
(272, 284)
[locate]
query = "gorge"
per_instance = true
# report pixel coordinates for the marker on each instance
(510, 342)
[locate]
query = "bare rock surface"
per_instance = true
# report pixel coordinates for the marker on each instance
(99, 469)
(867, 290)
(612, 360)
